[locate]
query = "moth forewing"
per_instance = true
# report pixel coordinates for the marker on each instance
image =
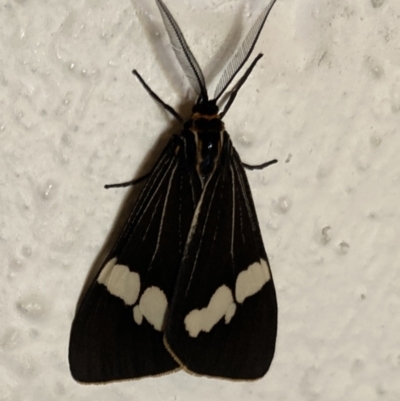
(223, 317)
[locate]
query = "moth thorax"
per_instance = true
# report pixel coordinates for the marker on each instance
(208, 151)
(205, 123)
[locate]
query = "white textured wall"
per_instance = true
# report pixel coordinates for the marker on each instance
(324, 100)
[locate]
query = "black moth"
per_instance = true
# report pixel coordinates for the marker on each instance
(187, 284)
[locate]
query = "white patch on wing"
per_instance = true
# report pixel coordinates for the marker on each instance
(221, 304)
(153, 305)
(250, 281)
(105, 271)
(120, 281)
(230, 312)
(137, 315)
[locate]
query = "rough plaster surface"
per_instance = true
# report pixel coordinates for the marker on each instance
(324, 100)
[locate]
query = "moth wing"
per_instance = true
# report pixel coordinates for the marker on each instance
(117, 332)
(223, 318)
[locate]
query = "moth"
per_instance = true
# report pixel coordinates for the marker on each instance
(187, 284)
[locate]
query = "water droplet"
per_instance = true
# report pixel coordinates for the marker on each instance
(373, 215)
(380, 390)
(375, 140)
(10, 338)
(344, 247)
(375, 68)
(32, 306)
(66, 139)
(377, 3)
(16, 264)
(244, 140)
(284, 204)
(27, 251)
(48, 190)
(325, 235)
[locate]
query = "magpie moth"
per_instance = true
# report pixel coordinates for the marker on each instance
(187, 285)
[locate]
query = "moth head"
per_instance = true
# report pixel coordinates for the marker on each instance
(206, 108)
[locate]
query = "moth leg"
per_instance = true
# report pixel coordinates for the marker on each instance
(239, 84)
(157, 98)
(259, 166)
(128, 183)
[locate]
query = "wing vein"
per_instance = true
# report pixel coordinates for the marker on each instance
(233, 209)
(163, 215)
(194, 226)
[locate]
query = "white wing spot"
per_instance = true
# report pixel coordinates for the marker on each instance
(251, 281)
(230, 312)
(153, 306)
(221, 304)
(106, 270)
(120, 281)
(137, 315)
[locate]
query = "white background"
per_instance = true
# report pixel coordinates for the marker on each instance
(324, 100)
